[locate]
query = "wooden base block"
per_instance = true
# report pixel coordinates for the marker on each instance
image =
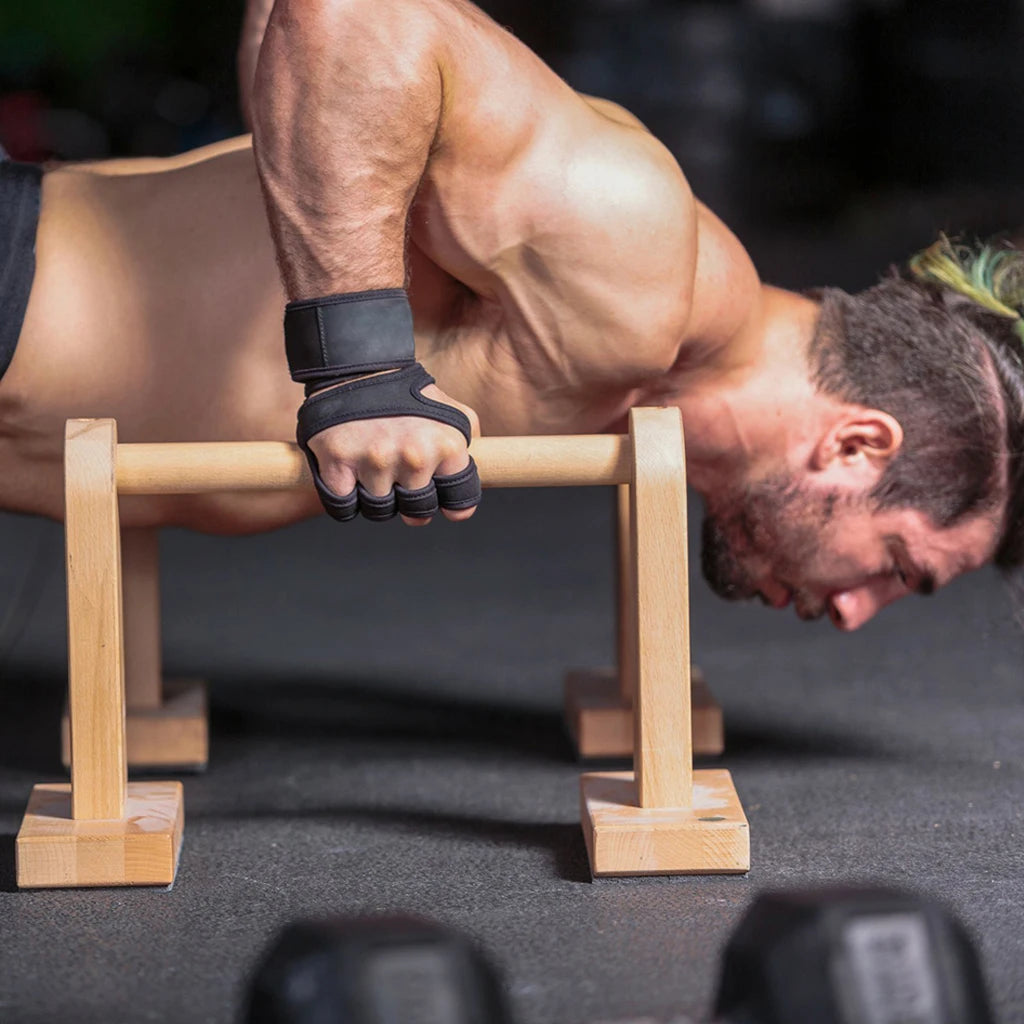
(55, 851)
(711, 837)
(174, 735)
(601, 725)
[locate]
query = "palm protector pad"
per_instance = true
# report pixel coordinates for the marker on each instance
(387, 395)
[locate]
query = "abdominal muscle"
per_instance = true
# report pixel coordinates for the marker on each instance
(157, 303)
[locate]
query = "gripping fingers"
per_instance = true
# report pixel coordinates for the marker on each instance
(420, 496)
(417, 505)
(459, 493)
(394, 473)
(400, 438)
(456, 494)
(394, 479)
(339, 498)
(456, 477)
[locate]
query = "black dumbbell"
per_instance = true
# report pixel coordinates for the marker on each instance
(396, 970)
(850, 956)
(814, 956)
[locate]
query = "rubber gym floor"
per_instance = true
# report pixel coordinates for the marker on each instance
(387, 737)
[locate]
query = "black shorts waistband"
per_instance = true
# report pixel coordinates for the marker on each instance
(20, 187)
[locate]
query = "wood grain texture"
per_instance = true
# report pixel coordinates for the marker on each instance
(173, 735)
(194, 468)
(662, 754)
(710, 836)
(55, 850)
(601, 725)
(95, 625)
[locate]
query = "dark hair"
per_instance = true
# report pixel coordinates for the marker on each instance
(942, 352)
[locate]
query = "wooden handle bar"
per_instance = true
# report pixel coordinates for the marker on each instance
(195, 468)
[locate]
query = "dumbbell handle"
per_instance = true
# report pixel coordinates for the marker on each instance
(196, 468)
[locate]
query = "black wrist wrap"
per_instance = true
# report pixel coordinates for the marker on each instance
(388, 394)
(339, 336)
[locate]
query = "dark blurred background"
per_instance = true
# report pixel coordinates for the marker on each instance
(80, 80)
(795, 113)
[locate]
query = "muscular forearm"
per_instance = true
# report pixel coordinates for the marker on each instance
(347, 102)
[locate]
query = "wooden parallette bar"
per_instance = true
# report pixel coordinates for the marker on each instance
(660, 819)
(552, 461)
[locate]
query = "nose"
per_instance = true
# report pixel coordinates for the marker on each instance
(851, 609)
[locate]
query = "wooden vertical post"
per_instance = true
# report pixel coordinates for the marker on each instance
(95, 624)
(167, 721)
(662, 752)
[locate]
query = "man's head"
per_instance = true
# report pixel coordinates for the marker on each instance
(918, 471)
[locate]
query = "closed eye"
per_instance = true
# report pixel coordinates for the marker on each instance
(926, 583)
(925, 577)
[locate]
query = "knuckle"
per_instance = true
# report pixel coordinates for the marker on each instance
(412, 457)
(380, 455)
(450, 448)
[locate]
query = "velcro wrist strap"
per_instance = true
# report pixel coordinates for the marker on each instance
(388, 394)
(345, 335)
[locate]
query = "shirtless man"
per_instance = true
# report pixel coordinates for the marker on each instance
(850, 451)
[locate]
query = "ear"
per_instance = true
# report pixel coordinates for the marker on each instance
(860, 441)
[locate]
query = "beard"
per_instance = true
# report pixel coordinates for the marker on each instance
(772, 528)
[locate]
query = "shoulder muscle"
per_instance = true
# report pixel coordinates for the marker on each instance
(565, 210)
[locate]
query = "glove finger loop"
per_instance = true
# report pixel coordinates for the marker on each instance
(378, 508)
(459, 490)
(418, 503)
(341, 507)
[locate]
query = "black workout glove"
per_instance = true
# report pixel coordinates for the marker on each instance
(331, 342)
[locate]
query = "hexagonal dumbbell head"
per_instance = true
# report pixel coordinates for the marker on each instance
(850, 956)
(374, 971)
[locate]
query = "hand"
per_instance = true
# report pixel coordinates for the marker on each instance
(404, 450)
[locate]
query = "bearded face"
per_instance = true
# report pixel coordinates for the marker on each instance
(767, 541)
